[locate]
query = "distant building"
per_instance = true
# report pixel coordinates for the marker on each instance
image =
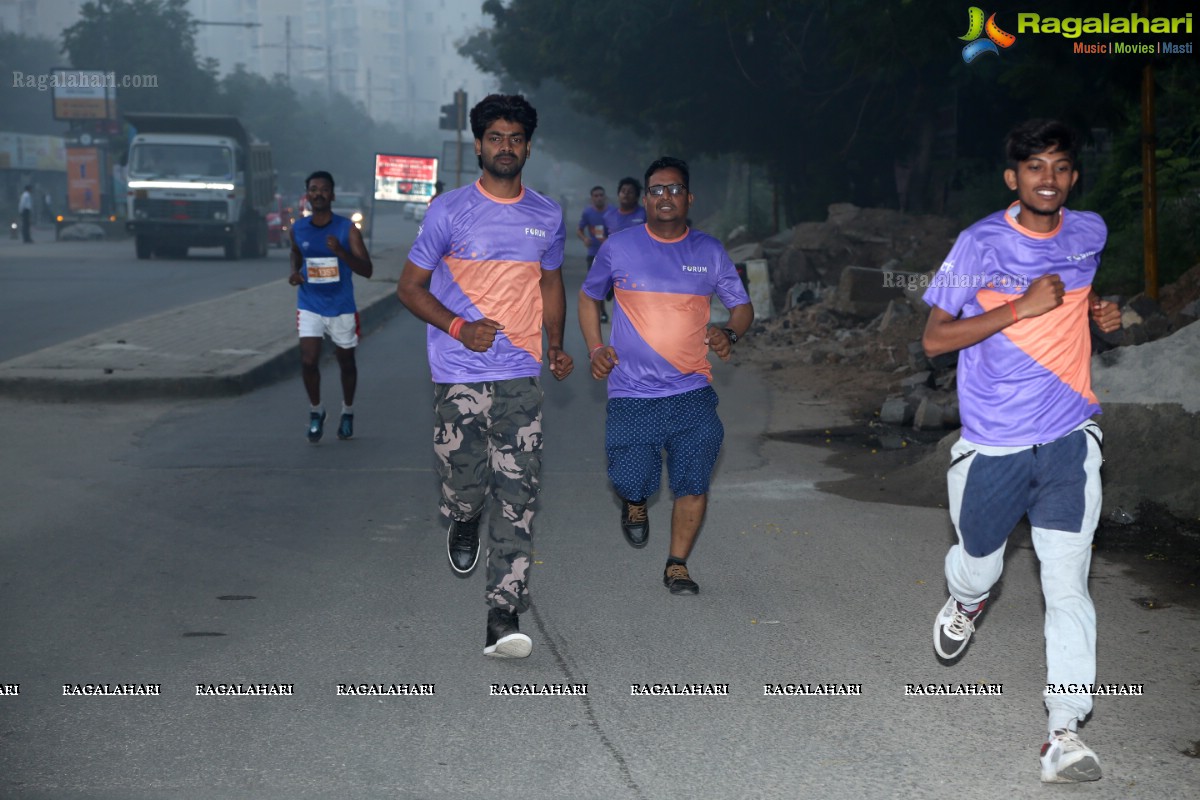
(398, 58)
(44, 18)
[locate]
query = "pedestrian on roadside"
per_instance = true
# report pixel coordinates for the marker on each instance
(327, 250)
(1013, 296)
(484, 273)
(593, 229)
(663, 275)
(25, 207)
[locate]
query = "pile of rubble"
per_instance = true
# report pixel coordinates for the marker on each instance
(850, 289)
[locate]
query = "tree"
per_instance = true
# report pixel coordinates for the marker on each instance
(830, 97)
(144, 38)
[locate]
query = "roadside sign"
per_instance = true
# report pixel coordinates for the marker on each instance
(405, 179)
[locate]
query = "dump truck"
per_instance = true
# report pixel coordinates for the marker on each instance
(197, 180)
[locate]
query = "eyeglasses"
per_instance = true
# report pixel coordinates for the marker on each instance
(675, 189)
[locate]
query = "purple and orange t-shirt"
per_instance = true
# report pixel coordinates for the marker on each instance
(617, 220)
(1031, 382)
(487, 255)
(662, 290)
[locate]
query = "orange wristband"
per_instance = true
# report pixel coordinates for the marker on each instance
(456, 327)
(1013, 307)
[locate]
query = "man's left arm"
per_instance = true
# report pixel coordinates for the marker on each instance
(554, 309)
(740, 319)
(357, 258)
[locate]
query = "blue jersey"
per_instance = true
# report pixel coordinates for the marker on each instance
(327, 289)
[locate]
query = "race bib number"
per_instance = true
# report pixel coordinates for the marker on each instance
(598, 233)
(323, 270)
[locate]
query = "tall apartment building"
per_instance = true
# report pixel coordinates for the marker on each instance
(398, 58)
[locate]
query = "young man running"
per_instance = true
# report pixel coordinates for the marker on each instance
(485, 274)
(326, 251)
(1014, 296)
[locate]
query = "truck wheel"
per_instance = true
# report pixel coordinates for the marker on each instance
(143, 248)
(233, 248)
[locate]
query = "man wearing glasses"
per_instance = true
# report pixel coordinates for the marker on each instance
(663, 276)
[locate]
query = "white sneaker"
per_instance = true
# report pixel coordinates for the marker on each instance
(952, 629)
(1065, 759)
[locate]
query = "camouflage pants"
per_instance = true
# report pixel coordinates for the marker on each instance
(488, 443)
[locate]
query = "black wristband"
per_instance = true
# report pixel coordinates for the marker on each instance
(733, 337)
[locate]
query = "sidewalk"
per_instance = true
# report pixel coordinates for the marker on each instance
(231, 345)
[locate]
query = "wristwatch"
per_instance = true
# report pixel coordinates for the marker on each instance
(733, 337)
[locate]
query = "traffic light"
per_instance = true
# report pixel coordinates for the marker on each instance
(454, 115)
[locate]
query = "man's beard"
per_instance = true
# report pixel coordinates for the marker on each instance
(496, 170)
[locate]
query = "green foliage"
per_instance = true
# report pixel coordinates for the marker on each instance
(144, 38)
(829, 97)
(1118, 192)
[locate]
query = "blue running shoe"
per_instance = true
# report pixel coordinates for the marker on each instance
(316, 426)
(346, 427)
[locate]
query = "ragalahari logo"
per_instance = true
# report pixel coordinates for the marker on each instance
(976, 27)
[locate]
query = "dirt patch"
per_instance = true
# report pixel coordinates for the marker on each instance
(834, 407)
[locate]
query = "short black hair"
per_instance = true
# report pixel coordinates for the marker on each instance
(637, 187)
(667, 162)
(594, 188)
(319, 174)
(510, 107)
(1037, 136)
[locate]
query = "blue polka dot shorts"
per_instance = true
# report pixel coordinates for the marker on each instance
(639, 429)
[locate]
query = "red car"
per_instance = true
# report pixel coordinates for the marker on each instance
(279, 222)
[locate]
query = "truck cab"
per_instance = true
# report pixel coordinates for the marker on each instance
(197, 180)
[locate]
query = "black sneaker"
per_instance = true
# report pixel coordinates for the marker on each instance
(504, 637)
(346, 427)
(316, 426)
(952, 629)
(462, 545)
(676, 578)
(635, 523)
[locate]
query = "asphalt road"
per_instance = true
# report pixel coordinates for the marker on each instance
(52, 292)
(185, 543)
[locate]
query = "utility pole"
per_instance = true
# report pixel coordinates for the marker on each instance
(287, 46)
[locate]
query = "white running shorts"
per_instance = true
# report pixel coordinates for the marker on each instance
(342, 329)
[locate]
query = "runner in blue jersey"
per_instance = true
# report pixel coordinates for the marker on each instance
(326, 250)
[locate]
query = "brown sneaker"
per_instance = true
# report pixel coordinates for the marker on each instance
(635, 523)
(676, 578)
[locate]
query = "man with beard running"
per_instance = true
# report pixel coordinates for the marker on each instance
(484, 273)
